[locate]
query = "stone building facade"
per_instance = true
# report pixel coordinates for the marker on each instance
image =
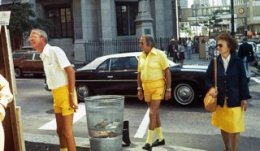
(77, 22)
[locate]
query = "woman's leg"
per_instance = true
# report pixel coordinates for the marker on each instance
(59, 122)
(234, 138)
(225, 137)
(68, 132)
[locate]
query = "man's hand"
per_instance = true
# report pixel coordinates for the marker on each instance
(73, 104)
(168, 95)
(140, 95)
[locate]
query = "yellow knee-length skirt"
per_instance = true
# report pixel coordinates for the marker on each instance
(230, 120)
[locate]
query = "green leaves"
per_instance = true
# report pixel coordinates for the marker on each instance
(21, 18)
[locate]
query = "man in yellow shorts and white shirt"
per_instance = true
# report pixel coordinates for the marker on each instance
(154, 85)
(5, 98)
(60, 77)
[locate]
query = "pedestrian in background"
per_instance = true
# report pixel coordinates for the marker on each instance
(244, 52)
(181, 52)
(173, 49)
(60, 77)
(154, 85)
(189, 48)
(232, 92)
(5, 98)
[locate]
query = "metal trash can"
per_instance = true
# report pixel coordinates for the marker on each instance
(105, 114)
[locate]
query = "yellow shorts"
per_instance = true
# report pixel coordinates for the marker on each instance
(61, 100)
(154, 90)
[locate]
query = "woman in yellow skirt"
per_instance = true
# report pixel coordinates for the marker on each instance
(232, 91)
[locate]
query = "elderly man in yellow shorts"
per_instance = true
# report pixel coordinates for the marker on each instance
(60, 77)
(154, 85)
(5, 97)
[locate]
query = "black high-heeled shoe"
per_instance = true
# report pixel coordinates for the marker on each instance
(126, 138)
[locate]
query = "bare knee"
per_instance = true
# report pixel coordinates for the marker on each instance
(67, 134)
(59, 132)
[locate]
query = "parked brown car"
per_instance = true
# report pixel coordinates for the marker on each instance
(27, 62)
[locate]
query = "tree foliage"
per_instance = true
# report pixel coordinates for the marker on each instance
(21, 18)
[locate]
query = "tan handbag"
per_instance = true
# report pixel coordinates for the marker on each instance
(210, 103)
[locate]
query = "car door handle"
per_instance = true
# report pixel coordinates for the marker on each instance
(110, 77)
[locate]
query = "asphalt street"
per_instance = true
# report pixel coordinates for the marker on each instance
(185, 129)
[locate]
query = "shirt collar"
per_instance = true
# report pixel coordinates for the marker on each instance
(45, 52)
(153, 51)
(227, 59)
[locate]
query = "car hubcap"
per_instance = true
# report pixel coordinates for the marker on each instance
(83, 92)
(184, 94)
(17, 72)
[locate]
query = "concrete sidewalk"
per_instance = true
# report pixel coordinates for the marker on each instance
(39, 142)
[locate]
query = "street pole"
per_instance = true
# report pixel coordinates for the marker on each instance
(232, 18)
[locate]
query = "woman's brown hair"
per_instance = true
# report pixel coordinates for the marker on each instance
(231, 42)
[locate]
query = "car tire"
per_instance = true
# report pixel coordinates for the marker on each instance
(185, 93)
(83, 91)
(18, 72)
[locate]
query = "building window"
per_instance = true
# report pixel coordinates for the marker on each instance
(256, 11)
(62, 21)
(126, 13)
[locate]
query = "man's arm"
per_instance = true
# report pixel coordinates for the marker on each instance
(168, 79)
(140, 94)
(71, 84)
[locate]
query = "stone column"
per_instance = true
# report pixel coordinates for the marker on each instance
(79, 36)
(144, 21)
(107, 20)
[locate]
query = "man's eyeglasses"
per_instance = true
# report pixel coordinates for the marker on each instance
(141, 43)
(219, 45)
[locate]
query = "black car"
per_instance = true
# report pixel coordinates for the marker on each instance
(117, 75)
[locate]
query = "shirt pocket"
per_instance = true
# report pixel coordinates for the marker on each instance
(154, 65)
(50, 74)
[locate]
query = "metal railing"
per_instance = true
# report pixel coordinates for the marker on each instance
(97, 48)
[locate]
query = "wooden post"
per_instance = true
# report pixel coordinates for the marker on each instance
(13, 138)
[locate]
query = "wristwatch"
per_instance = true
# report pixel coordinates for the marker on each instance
(169, 89)
(139, 88)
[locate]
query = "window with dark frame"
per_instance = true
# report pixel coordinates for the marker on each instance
(61, 18)
(126, 13)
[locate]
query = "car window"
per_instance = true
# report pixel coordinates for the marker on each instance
(17, 55)
(123, 64)
(104, 67)
(37, 57)
(28, 56)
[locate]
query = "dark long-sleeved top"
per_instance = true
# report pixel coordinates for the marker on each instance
(244, 50)
(232, 85)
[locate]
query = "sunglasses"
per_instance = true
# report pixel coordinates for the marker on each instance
(219, 45)
(141, 43)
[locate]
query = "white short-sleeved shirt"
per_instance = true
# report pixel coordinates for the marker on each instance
(54, 61)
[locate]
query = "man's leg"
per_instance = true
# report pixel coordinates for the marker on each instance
(154, 107)
(68, 132)
(59, 122)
